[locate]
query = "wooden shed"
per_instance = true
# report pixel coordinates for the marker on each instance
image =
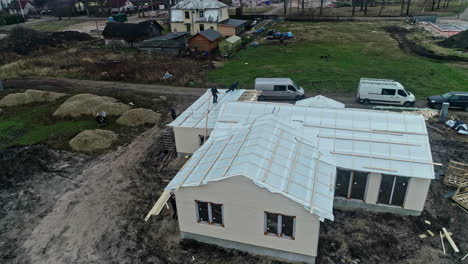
(231, 27)
(206, 40)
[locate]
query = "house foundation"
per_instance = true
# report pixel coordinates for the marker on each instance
(263, 251)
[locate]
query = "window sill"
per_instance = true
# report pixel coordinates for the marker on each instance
(211, 224)
(278, 236)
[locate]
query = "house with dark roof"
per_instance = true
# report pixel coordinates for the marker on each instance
(170, 44)
(231, 27)
(130, 35)
(206, 40)
(193, 16)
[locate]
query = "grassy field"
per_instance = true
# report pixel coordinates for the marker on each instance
(355, 50)
(56, 25)
(33, 124)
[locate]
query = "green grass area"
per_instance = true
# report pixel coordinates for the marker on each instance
(33, 124)
(54, 25)
(355, 50)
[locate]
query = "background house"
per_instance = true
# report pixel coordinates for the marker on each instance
(130, 35)
(169, 44)
(206, 40)
(231, 27)
(193, 16)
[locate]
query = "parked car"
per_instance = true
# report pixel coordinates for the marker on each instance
(455, 99)
(384, 92)
(278, 88)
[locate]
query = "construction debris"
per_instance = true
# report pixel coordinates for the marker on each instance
(427, 222)
(461, 195)
(450, 240)
(422, 236)
(430, 232)
(464, 257)
(442, 240)
(456, 174)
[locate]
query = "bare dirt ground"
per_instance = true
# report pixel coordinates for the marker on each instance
(70, 208)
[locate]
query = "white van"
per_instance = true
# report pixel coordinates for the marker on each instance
(384, 92)
(278, 88)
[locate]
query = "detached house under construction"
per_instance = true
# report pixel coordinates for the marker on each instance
(269, 173)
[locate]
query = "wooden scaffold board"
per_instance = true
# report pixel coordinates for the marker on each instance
(461, 195)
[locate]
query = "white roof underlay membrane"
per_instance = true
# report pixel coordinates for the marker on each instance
(274, 156)
(196, 115)
(320, 101)
(362, 140)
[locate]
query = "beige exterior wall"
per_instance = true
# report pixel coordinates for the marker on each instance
(417, 193)
(221, 14)
(244, 205)
(186, 138)
(372, 189)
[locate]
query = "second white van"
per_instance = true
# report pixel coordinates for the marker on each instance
(383, 91)
(278, 88)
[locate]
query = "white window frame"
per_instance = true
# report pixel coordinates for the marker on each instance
(201, 14)
(350, 185)
(279, 227)
(210, 214)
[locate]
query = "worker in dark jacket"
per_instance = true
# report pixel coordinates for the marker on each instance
(233, 86)
(173, 113)
(215, 93)
(173, 205)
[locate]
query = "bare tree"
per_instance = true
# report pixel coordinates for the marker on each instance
(321, 7)
(353, 5)
(285, 7)
(408, 7)
(366, 3)
(381, 8)
(402, 7)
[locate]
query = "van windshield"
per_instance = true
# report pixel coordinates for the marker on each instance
(447, 95)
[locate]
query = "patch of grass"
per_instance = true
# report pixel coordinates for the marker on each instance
(26, 125)
(357, 49)
(57, 25)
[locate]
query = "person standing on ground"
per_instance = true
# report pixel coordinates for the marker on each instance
(215, 93)
(233, 86)
(173, 205)
(173, 113)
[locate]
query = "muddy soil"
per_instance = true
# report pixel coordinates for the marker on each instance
(399, 34)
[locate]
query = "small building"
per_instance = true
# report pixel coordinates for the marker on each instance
(26, 7)
(193, 16)
(230, 45)
(118, 35)
(449, 28)
(174, 44)
(231, 27)
(206, 40)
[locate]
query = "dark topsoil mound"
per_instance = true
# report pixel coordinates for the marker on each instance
(24, 40)
(459, 41)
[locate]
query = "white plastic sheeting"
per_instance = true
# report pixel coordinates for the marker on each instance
(361, 140)
(199, 4)
(196, 115)
(274, 156)
(320, 101)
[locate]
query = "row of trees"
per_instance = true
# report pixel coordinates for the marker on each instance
(364, 4)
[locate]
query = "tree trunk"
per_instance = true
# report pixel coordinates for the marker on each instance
(433, 5)
(402, 7)
(285, 7)
(424, 7)
(354, 5)
(438, 4)
(321, 6)
(290, 7)
(366, 3)
(408, 7)
(448, 1)
(381, 8)
(362, 5)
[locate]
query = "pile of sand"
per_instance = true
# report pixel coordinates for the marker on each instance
(138, 117)
(28, 97)
(90, 104)
(93, 140)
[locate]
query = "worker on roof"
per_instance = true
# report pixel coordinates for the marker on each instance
(233, 86)
(215, 93)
